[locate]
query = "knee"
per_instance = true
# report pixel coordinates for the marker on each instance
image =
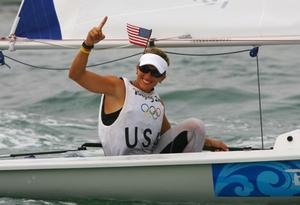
(195, 124)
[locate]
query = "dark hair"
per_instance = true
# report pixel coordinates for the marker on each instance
(159, 52)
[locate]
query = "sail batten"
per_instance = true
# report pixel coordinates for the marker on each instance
(174, 23)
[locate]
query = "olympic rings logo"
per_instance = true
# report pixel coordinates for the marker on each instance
(151, 111)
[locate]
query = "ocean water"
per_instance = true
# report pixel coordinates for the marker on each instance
(44, 110)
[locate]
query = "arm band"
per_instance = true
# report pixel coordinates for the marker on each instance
(84, 50)
(87, 46)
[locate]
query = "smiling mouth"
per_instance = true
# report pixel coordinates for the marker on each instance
(146, 82)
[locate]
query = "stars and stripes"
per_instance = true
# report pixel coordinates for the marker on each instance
(138, 36)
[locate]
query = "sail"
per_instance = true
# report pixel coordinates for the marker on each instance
(174, 23)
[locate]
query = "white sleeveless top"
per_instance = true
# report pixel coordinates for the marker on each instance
(137, 128)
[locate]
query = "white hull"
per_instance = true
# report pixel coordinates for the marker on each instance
(160, 177)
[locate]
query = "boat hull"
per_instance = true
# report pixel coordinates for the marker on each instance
(139, 183)
(155, 178)
(236, 176)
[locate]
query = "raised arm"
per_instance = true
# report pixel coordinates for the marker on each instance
(91, 81)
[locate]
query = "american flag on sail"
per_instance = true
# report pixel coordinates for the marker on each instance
(138, 36)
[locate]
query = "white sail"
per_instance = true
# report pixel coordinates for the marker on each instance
(174, 23)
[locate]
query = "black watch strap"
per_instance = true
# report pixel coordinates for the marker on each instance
(87, 46)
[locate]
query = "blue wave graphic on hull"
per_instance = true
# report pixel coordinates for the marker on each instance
(257, 179)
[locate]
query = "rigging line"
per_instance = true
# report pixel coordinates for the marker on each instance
(34, 66)
(208, 54)
(254, 53)
(119, 59)
(67, 68)
(259, 101)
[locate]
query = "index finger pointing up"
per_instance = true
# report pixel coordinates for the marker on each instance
(102, 23)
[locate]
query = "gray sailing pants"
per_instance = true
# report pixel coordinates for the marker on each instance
(187, 136)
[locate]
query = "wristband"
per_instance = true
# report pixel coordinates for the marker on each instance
(87, 46)
(84, 50)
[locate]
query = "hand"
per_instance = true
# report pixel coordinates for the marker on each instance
(219, 145)
(95, 34)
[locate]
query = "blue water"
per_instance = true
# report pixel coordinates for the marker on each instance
(44, 110)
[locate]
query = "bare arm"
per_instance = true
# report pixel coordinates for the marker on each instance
(211, 142)
(93, 82)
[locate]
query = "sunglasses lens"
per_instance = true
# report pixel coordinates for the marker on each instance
(155, 73)
(144, 69)
(147, 69)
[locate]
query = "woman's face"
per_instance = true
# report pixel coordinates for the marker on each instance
(146, 81)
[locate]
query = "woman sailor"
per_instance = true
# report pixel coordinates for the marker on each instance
(132, 117)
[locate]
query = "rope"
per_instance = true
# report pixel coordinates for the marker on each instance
(254, 53)
(126, 57)
(119, 59)
(259, 103)
(34, 66)
(209, 54)
(67, 68)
